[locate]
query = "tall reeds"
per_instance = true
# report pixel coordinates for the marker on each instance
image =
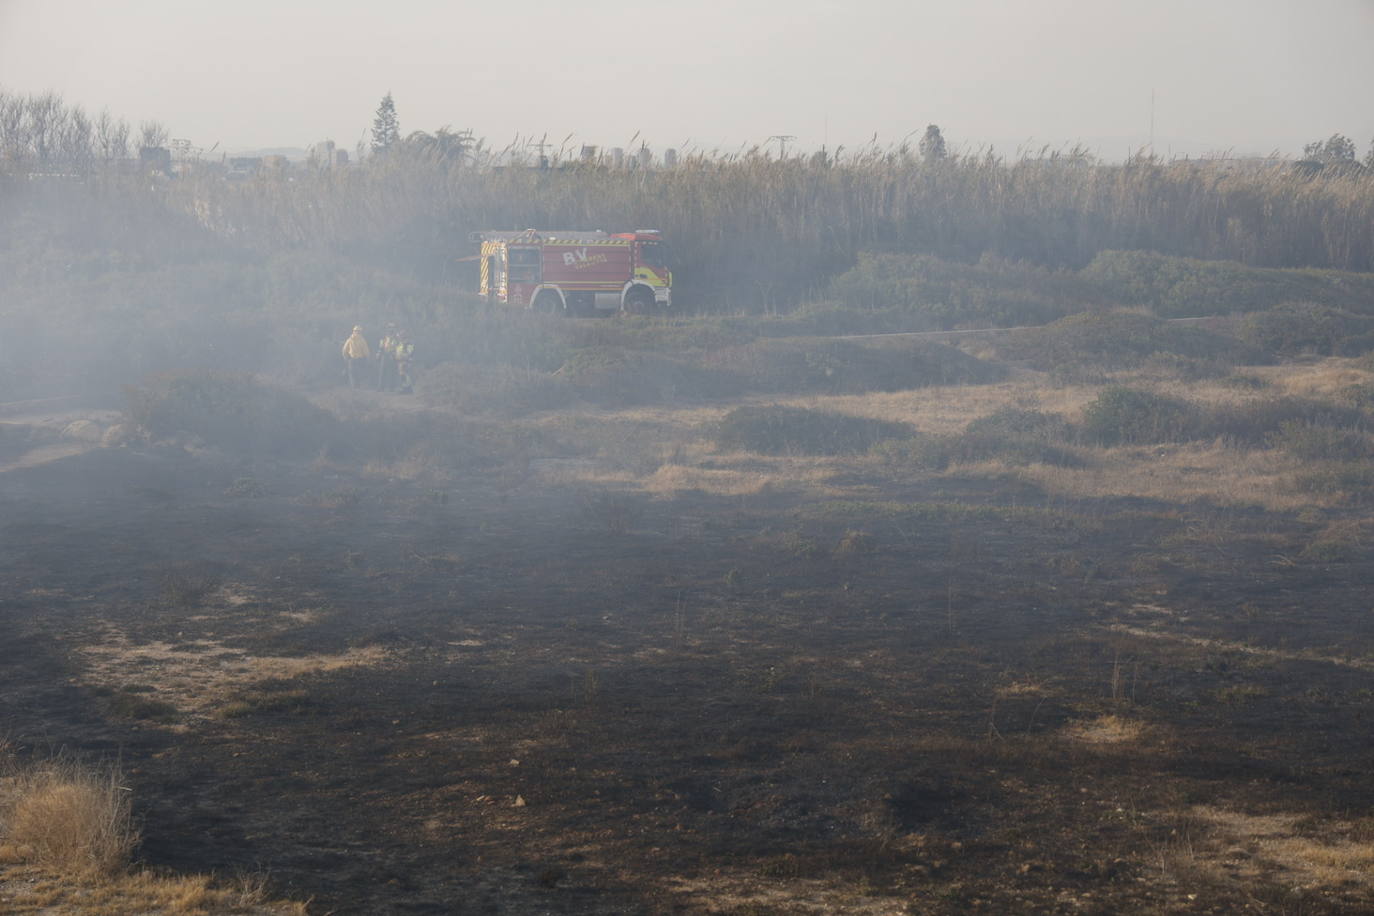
(758, 231)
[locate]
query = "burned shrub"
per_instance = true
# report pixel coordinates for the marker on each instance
(777, 430)
(611, 376)
(845, 367)
(231, 411)
(492, 389)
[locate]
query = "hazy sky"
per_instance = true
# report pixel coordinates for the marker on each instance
(1240, 75)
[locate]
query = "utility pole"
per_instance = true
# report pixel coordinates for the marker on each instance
(782, 143)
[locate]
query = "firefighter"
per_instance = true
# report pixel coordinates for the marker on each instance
(386, 359)
(356, 354)
(402, 352)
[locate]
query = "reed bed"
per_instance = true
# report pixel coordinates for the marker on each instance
(758, 232)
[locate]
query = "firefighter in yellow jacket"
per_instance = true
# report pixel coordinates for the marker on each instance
(356, 354)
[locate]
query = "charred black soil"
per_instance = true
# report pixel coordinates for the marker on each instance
(901, 695)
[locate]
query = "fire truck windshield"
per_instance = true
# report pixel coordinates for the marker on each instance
(654, 254)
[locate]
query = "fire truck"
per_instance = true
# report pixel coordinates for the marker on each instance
(576, 272)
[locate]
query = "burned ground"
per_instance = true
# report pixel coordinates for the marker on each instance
(706, 682)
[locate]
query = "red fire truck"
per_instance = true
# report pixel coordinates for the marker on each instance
(576, 272)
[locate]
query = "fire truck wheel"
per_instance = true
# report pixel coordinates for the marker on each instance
(548, 303)
(639, 301)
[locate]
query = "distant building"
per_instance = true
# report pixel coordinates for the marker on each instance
(326, 155)
(241, 167)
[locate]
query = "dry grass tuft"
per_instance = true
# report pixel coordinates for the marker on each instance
(66, 837)
(1110, 729)
(70, 816)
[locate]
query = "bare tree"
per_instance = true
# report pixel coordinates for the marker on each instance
(152, 134)
(111, 136)
(43, 117)
(13, 140)
(74, 139)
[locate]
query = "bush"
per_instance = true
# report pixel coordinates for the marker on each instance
(994, 292)
(492, 389)
(1312, 442)
(1118, 340)
(1013, 435)
(1301, 327)
(1255, 422)
(1130, 416)
(1176, 287)
(1022, 423)
(780, 430)
(845, 367)
(1352, 481)
(70, 816)
(611, 376)
(231, 411)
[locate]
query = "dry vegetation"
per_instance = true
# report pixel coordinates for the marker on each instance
(67, 835)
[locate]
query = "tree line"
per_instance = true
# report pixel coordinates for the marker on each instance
(43, 131)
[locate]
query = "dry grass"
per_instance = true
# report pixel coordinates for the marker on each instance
(69, 816)
(30, 889)
(196, 678)
(67, 835)
(1109, 729)
(947, 410)
(1246, 845)
(1173, 473)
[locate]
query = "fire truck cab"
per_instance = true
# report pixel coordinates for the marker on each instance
(576, 272)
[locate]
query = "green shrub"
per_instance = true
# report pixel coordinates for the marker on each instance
(1117, 340)
(1013, 435)
(1312, 442)
(778, 430)
(1131, 416)
(1176, 287)
(994, 292)
(1255, 422)
(1021, 422)
(1353, 481)
(1301, 327)
(939, 452)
